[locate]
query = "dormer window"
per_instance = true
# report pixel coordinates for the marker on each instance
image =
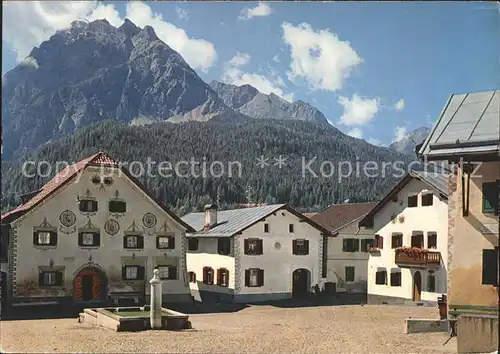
(88, 205)
(117, 206)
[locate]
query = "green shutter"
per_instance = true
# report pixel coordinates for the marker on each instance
(490, 197)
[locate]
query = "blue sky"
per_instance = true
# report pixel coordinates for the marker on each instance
(376, 70)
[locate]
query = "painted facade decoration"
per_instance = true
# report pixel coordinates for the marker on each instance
(79, 251)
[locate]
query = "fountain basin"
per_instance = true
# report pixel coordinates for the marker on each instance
(133, 318)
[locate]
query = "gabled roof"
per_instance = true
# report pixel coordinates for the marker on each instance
(70, 173)
(468, 125)
(231, 222)
(337, 216)
(438, 181)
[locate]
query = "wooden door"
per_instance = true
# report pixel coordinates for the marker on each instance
(417, 286)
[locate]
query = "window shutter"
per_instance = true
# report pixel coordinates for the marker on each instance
(80, 239)
(294, 247)
(227, 278)
(261, 277)
(490, 267)
(141, 272)
(356, 245)
(260, 246)
(124, 241)
(97, 239)
(40, 278)
(172, 272)
(247, 277)
(124, 273)
(59, 279)
(380, 242)
(306, 246)
(157, 241)
(94, 205)
(140, 241)
(171, 242)
(35, 238)
(53, 238)
(246, 246)
(345, 245)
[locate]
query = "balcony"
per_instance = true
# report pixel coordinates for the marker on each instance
(413, 256)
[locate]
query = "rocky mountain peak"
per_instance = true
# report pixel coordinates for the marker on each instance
(129, 28)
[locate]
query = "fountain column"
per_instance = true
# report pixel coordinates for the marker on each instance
(155, 302)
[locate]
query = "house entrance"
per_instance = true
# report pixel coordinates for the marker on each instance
(90, 284)
(3, 292)
(300, 282)
(417, 286)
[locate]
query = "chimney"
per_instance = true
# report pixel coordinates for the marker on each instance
(210, 215)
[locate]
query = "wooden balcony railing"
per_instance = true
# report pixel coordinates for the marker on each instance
(417, 256)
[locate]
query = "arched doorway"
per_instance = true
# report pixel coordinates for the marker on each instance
(90, 284)
(300, 282)
(417, 286)
(3, 292)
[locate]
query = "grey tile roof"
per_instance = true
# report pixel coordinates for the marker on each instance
(471, 118)
(229, 222)
(438, 180)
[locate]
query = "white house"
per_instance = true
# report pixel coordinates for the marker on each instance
(409, 260)
(253, 254)
(91, 236)
(347, 252)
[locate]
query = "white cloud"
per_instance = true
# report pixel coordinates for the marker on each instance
(375, 142)
(320, 58)
(358, 110)
(400, 133)
(355, 133)
(183, 14)
(270, 83)
(261, 10)
(276, 58)
(399, 105)
(27, 24)
(199, 53)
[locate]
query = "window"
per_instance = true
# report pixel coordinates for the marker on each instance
(490, 197)
(397, 240)
(192, 277)
(223, 277)
(381, 277)
(88, 205)
(45, 238)
(350, 245)
(165, 242)
(490, 266)
(254, 277)
(431, 282)
(366, 244)
(133, 272)
(417, 239)
(300, 247)
(193, 244)
(266, 227)
(208, 275)
(51, 278)
(412, 201)
(290, 228)
(117, 206)
(224, 246)
(395, 278)
(431, 239)
(379, 241)
(133, 242)
(253, 247)
(427, 199)
(168, 272)
(89, 239)
(349, 273)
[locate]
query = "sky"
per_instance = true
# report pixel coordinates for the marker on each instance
(377, 70)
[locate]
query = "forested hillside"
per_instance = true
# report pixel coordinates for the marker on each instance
(212, 141)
